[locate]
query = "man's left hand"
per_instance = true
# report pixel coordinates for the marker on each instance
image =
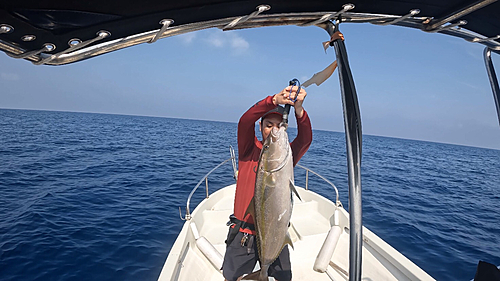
(299, 110)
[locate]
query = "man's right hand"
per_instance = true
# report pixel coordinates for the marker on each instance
(283, 97)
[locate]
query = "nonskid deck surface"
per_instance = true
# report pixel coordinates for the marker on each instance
(310, 224)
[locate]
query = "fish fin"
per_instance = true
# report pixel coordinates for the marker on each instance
(288, 240)
(252, 276)
(292, 187)
(251, 208)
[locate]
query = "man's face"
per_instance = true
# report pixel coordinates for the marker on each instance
(271, 121)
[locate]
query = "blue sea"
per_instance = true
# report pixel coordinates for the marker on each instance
(96, 196)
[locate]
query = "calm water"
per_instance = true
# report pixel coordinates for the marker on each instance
(96, 197)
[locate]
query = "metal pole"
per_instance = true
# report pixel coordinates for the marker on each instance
(493, 79)
(458, 13)
(307, 180)
(206, 184)
(353, 135)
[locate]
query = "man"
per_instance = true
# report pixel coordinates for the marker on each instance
(241, 251)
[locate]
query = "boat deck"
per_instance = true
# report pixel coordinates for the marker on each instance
(310, 224)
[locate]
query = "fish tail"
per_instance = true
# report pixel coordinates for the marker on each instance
(252, 276)
(263, 273)
(260, 275)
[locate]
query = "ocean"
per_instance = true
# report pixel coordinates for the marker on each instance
(96, 197)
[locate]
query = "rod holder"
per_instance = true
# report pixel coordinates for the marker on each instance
(396, 20)
(328, 17)
(448, 27)
(259, 9)
(74, 44)
(165, 24)
(479, 40)
(48, 47)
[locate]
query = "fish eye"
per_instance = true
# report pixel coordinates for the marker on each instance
(266, 147)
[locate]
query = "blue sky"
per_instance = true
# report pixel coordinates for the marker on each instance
(410, 84)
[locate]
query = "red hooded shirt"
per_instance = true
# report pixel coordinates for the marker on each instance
(249, 148)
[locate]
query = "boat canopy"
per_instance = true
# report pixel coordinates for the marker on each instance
(60, 31)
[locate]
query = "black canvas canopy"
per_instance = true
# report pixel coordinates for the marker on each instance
(42, 29)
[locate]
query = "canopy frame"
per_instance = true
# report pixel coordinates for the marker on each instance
(75, 52)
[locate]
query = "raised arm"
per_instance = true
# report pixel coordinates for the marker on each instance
(301, 143)
(304, 129)
(246, 126)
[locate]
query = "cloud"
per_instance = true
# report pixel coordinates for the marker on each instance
(239, 43)
(231, 40)
(219, 39)
(475, 51)
(216, 39)
(187, 38)
(472, 86)
(9, 76)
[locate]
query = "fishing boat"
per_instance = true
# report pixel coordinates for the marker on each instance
(319, 230)
(331, 243)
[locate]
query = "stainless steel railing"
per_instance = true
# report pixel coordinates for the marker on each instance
(233, 158)
(205, 178)
(337, 201)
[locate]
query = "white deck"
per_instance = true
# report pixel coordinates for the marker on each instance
(311, 221)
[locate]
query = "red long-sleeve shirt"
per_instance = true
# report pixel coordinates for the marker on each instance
(249, 148)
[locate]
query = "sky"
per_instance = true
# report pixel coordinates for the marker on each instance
(410, 84)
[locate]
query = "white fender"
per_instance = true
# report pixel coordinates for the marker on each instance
(207, 248)
(210, 252)
(326, 252)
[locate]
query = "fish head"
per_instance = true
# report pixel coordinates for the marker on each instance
(278, 133)
(276, 147)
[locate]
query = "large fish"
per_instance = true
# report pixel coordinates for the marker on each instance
(271, 206)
